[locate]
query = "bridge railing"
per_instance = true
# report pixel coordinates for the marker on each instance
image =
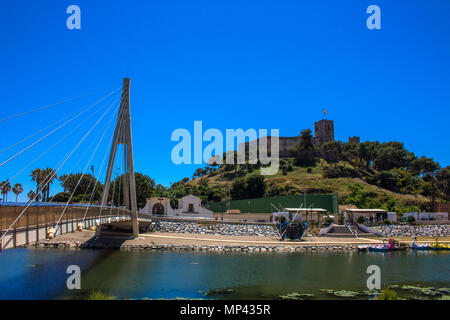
(33, 226)
(48, 214)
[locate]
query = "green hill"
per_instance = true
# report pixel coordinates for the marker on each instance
(355, 191)
(367, 175)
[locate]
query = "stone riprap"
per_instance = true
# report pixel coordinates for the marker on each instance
(217, 229)
(100, 244)
(417, 230)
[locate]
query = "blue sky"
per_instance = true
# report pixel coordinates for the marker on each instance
(231, 64)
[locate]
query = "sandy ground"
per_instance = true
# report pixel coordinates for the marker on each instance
(200, 239)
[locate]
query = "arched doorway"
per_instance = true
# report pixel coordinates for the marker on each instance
(158, 209)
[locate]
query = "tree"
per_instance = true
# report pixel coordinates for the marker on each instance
(430, 188)
(61, 197)
(331, 152)
(200, 172)
(43, 178)
(423, 165)
(392, 155)
(350, 153)
(84, 184)
(145, 187)
(253, 186)
(443, 181)
(5, 189)
(37, 176)
(360, 197)
(239, 189)
(50, 175)
(305, 153)
(17, 189)
(160, 191)
(387, 179)
(33, 196)
(256, 186)
(368, 152)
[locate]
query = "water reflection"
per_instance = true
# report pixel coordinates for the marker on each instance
(41, 274)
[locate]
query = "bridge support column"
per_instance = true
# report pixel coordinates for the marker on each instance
(122, 136)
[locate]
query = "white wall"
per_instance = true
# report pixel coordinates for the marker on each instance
(183, 208)
(392, 216)
(439, 216)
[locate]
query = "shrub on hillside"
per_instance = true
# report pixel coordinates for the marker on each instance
(340, 172)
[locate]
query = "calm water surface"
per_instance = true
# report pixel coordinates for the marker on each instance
(41, 274)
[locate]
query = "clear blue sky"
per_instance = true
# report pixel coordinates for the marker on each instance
(231, 64)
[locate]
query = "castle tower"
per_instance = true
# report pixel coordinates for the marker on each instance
(323, 132)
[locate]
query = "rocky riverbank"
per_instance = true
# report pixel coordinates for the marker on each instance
(418, 230)
(108, 244)
(217, 229)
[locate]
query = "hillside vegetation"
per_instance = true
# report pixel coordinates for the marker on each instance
(367, 175)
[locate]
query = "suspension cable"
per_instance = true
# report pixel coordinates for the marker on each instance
(93, 176)
(79, 180)
(47, 106)
(119, 133)
(50, 176)
(99, 175)
(106, 128)
(86, 152)
(55, 171)
(40, 131)
(54, 145)
(53, 131)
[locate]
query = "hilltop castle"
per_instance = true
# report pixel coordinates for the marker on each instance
(323, 132)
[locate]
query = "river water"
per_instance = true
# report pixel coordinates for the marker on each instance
(41, 274)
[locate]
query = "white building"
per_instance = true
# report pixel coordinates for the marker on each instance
(188, 206)
(425, 216)
(392, 216)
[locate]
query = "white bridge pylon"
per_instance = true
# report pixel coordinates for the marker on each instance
(122, 136)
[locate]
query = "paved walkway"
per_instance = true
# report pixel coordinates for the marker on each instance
(165, 238)
(172, 238)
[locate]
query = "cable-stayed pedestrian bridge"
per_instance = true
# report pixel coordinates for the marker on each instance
(104, 124)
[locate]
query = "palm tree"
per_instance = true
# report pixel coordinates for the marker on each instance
(50, 176)
(17, 189)
(36, 176)
(6, 187)
(33, 196)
